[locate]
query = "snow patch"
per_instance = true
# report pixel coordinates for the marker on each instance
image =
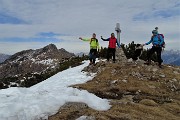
(45, 98)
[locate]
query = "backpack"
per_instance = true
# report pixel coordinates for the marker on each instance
(94, 38)
(163, 44)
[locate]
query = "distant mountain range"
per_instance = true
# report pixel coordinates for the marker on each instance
(81, 54)
(168, 56)
(3, 57)
(171, 57)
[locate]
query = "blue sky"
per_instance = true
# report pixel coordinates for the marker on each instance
(165, 14)
(6, 19)
(32, 24)
(35, 39)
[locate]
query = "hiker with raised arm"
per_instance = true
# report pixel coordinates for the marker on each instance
(94, 48)
(157, 41)
(112, 46)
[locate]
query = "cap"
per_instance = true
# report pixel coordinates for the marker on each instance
(154, 32)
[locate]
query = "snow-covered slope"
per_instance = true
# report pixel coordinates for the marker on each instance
(45, 98)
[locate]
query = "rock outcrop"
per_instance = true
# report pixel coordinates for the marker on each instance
(120, 56)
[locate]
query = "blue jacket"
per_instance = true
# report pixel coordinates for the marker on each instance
(156, 40)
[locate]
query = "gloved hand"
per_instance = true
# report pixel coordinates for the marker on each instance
(143, 44)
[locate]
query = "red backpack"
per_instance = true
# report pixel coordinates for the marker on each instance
(163, 44)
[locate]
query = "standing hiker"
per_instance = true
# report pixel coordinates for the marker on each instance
(94, 47)
(112, 46)
(157, 40)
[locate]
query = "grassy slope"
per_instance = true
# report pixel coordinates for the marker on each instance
(135, 91)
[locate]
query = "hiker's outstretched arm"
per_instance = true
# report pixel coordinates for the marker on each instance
(148, 42)
(85, 39)
(105, 39)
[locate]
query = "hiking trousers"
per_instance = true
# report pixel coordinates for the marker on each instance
(92, 55)
(156, 49)
(111, 50)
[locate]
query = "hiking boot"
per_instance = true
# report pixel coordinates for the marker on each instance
(160, 66)
(147, 63)
(107, 61)
(94, 64)
(90, 63)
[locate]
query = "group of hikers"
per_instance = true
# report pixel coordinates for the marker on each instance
(94, 47)
(157, 41)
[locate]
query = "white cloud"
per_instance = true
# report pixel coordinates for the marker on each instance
(82, 18)
(13, 47)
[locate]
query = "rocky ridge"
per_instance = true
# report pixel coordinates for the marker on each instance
(136, 92)
(32, 66)
(33, 61)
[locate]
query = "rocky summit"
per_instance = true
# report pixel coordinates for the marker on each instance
(31, 65)
(136, 92)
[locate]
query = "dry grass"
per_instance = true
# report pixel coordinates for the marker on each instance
(137, 92)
